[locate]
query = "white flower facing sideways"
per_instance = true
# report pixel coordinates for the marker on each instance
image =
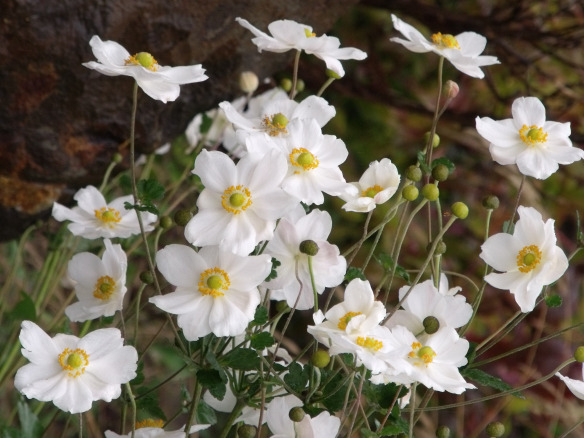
(157, 432)
(240, 203)
(376, 186)
(94, 218)
(288, 35)
(73, 372)
(462, 50)
(216, 291)
(159, 82)
(328, 266)
(537, 146)
(100, 284)
(575, 386)
(528, 259)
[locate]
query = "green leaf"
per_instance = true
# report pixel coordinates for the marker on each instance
(24, 309)
(553, 300)
(395, 426)
(262, 340)
(382, 395)
(273, 273)
(211, 379)
(486, 379)
(261, 315)
(148, 405)
(353, 273)
(445, 161)
(421, 156)
(334, 392)
(30, 425)
(297, 378)
(244, 359)
(205, 414)
(149, 190)
(139, 379)
(386, 261)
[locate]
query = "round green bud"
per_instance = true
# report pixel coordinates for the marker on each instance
(491, 202)
(414, 173)
(117, 158)
(296, 414)
(247, 431)
(440, 248)
(286, 84)
(320, 358)
(282, 306)
(460, 210)
(248, 81)
(182, 217)
(166, 222)
(300, 85)
(495, 429)
(309, 247)
(146, 277)
(443, 432)
(435, 140)
(440, 172)
(430, 192)
(579, 354)
(431, 324)
(332, 74)
(410, 193)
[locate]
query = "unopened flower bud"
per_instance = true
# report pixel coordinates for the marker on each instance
(440, 172)
(247, 431)
(248, 81)
(451, 88)
(296, 414)
(440, 248)
(117, 158)
(286, 84)
(300, 85)
(579, 354)
(414, 173)
(182, 217)
(443, 432)
(309, 247)
(460, 210)
(495, 429)
(491, 202)
(430, 192)
(320, 358)
(165, 222)
(431, 324)
(435, 140)
(332, 74)
(410, 193)
(146, 277)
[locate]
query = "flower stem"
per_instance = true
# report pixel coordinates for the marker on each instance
(295, 74)
(133, 402)
(325, 86)
(312, 282)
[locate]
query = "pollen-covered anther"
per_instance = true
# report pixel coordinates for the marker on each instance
(104, 288)
(532, 135)
(149, 422)
(344, 320)
(528, 258)
(445, 41)
(301, 157)
(309, 33)
(371, 191)
(425, 353)
(214, 282)
(144, 59)
(369, 343)
(236, 199)
(74, 361)
(109, 216)
(275, 125)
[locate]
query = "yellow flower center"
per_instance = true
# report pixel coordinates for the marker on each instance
(532, 135)
(236, 199)
(214, 282)
(445, 41)
(109, 216)
(74, 361)
(104, 288)
(275, 125)
(528, 258)
(144, 59)
(308, 33)
(371, 191)
(301, 157)
(149, 422)
(344, 321)
(369, 343)
(425, 353)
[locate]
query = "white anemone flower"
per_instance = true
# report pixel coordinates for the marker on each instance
(575, 386)
(94, 218)
(425, 300)
(288, 35)
(240, 203)
(100, 284)
(537, 146)
(376, 186)
(528, 259)
(73, 372)
(462, 50)
(324, 425)
(159, 82)
(216, 291)
(328, 266)
(157, 432)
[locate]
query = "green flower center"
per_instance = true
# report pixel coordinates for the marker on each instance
(104, 288)
(74, 361)
(309, 33)
(236, 199)
(421, 352)
(371, 191)
(144, 59)
(532, 135)
(344, 321)
(275, 125)
(108, 216)
(214, 282)
(303, 158)
(528, 258)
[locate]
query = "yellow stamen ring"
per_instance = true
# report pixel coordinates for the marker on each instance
(344, 320)
(104, 288)
(425, 353)
(371, 191)
(74, 361)
(528, 258)
(214, 282)
(109, 216)
(301, 157)
(236, 199)
(370, 343)
(445, 41)
(532, 135)
(144, 59)
(275, 125)
(149, 422)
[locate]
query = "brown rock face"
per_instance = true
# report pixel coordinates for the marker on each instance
(60, 123)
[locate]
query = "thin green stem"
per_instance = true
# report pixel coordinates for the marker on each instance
(572, 429)
(107, 175)
(134, 410)
(312, 282)
(195, 402)
(295, 74)
(412, 411)
(325, 86)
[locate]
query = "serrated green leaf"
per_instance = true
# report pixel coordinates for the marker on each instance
(382, 395)
(262, 340)
(24, 309)
(260, 316)
(148, 404)
(486, 379)
(296, 378)
(211, 379)
(395, 426)
(353, 273)
(421, 156)
(149, 190)
(273, 273)
(241, 359)
(553, 300)
(446, 162)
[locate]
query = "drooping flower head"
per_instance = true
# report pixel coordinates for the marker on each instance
(100, 284)
(159, 82)
(537, 146)
(73, 372)
(528, 259)
(462, 50)
(94, 218)
(575, 386)
(287, 35)
(216, 291)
